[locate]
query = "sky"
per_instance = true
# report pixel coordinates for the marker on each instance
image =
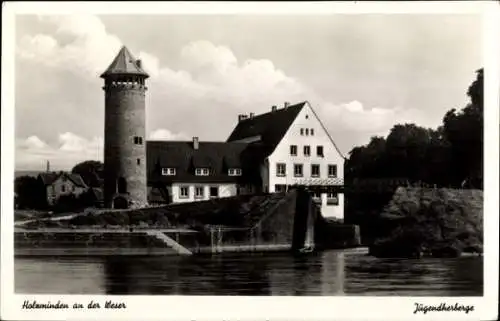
(361, 73)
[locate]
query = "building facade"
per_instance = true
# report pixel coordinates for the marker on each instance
(296, 149)
(59, 184)
(267, 153)
(190, 171)
(125, 179)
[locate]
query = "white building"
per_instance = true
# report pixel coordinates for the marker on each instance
(265, 153)
(189, 171)
(296, 149)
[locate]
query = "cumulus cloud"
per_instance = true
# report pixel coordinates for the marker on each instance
(165, 134)
(33, 153)
(201, 97)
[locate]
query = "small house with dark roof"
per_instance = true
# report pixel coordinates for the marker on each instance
(58, 184)
(187, 171)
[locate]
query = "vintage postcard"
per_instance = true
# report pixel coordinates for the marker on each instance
(250, 161)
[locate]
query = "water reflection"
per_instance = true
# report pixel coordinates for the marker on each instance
(326, 273)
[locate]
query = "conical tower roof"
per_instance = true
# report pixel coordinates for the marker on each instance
(124, 64)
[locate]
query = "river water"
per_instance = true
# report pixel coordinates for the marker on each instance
(323, 273)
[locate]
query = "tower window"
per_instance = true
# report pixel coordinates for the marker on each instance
(138, 161)
(332, 170)
(319, 151)
(184, 192)
(199, 192)
(281, 169)
(201, 172)
(214, 191)
(168, 171)
(234, 172)
(307, 150)
(315, 170)
(138, 140)
(297, 170)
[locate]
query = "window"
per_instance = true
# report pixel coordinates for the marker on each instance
(307, 116)
(312, 131)
(315, 170)
(198, 192)
(316, 196)
(137, 140)
(279, 188)
(73, 188)
(168, 171)
(63, 188)
(297, 170)
(234, 172)
(293, 150)
(332, 170)
(122, 185)
(280, 169)
(319, 151)
(332, 199)
(201, 172)
(184, 192)
(302, 131)
(307, 131)
(307, 150)
(138, 161)
(214, 191)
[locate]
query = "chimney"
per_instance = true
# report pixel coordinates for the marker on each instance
(241, 117)
(287, 104)
(48, 166)
(139, 63)
(251, 115)
(274, 108)
(196, 143)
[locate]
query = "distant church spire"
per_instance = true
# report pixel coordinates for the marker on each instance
(48, 166)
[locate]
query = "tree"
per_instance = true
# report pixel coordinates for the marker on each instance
(464, 130)
(92, 172)
(447, 156)
(30, 193)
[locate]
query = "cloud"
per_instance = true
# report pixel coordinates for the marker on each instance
(201, 97)
(33, 153)
(70, 149)
(89, 47)
(165, 134)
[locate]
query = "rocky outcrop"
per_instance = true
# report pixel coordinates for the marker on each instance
(431, 222)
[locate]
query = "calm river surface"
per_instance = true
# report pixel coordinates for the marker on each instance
(324, 273)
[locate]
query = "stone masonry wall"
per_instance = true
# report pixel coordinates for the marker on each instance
(125, 115)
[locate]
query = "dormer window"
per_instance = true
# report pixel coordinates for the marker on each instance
(201, 172)
(234, 172)
(168, 171)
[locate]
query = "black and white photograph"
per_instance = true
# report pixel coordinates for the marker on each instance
(248, 155)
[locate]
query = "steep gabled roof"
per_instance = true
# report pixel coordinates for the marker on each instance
(124, 64)
(48, 178)
(271, 126)
(217, 156)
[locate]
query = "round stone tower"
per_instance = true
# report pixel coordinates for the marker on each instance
(125, 178)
